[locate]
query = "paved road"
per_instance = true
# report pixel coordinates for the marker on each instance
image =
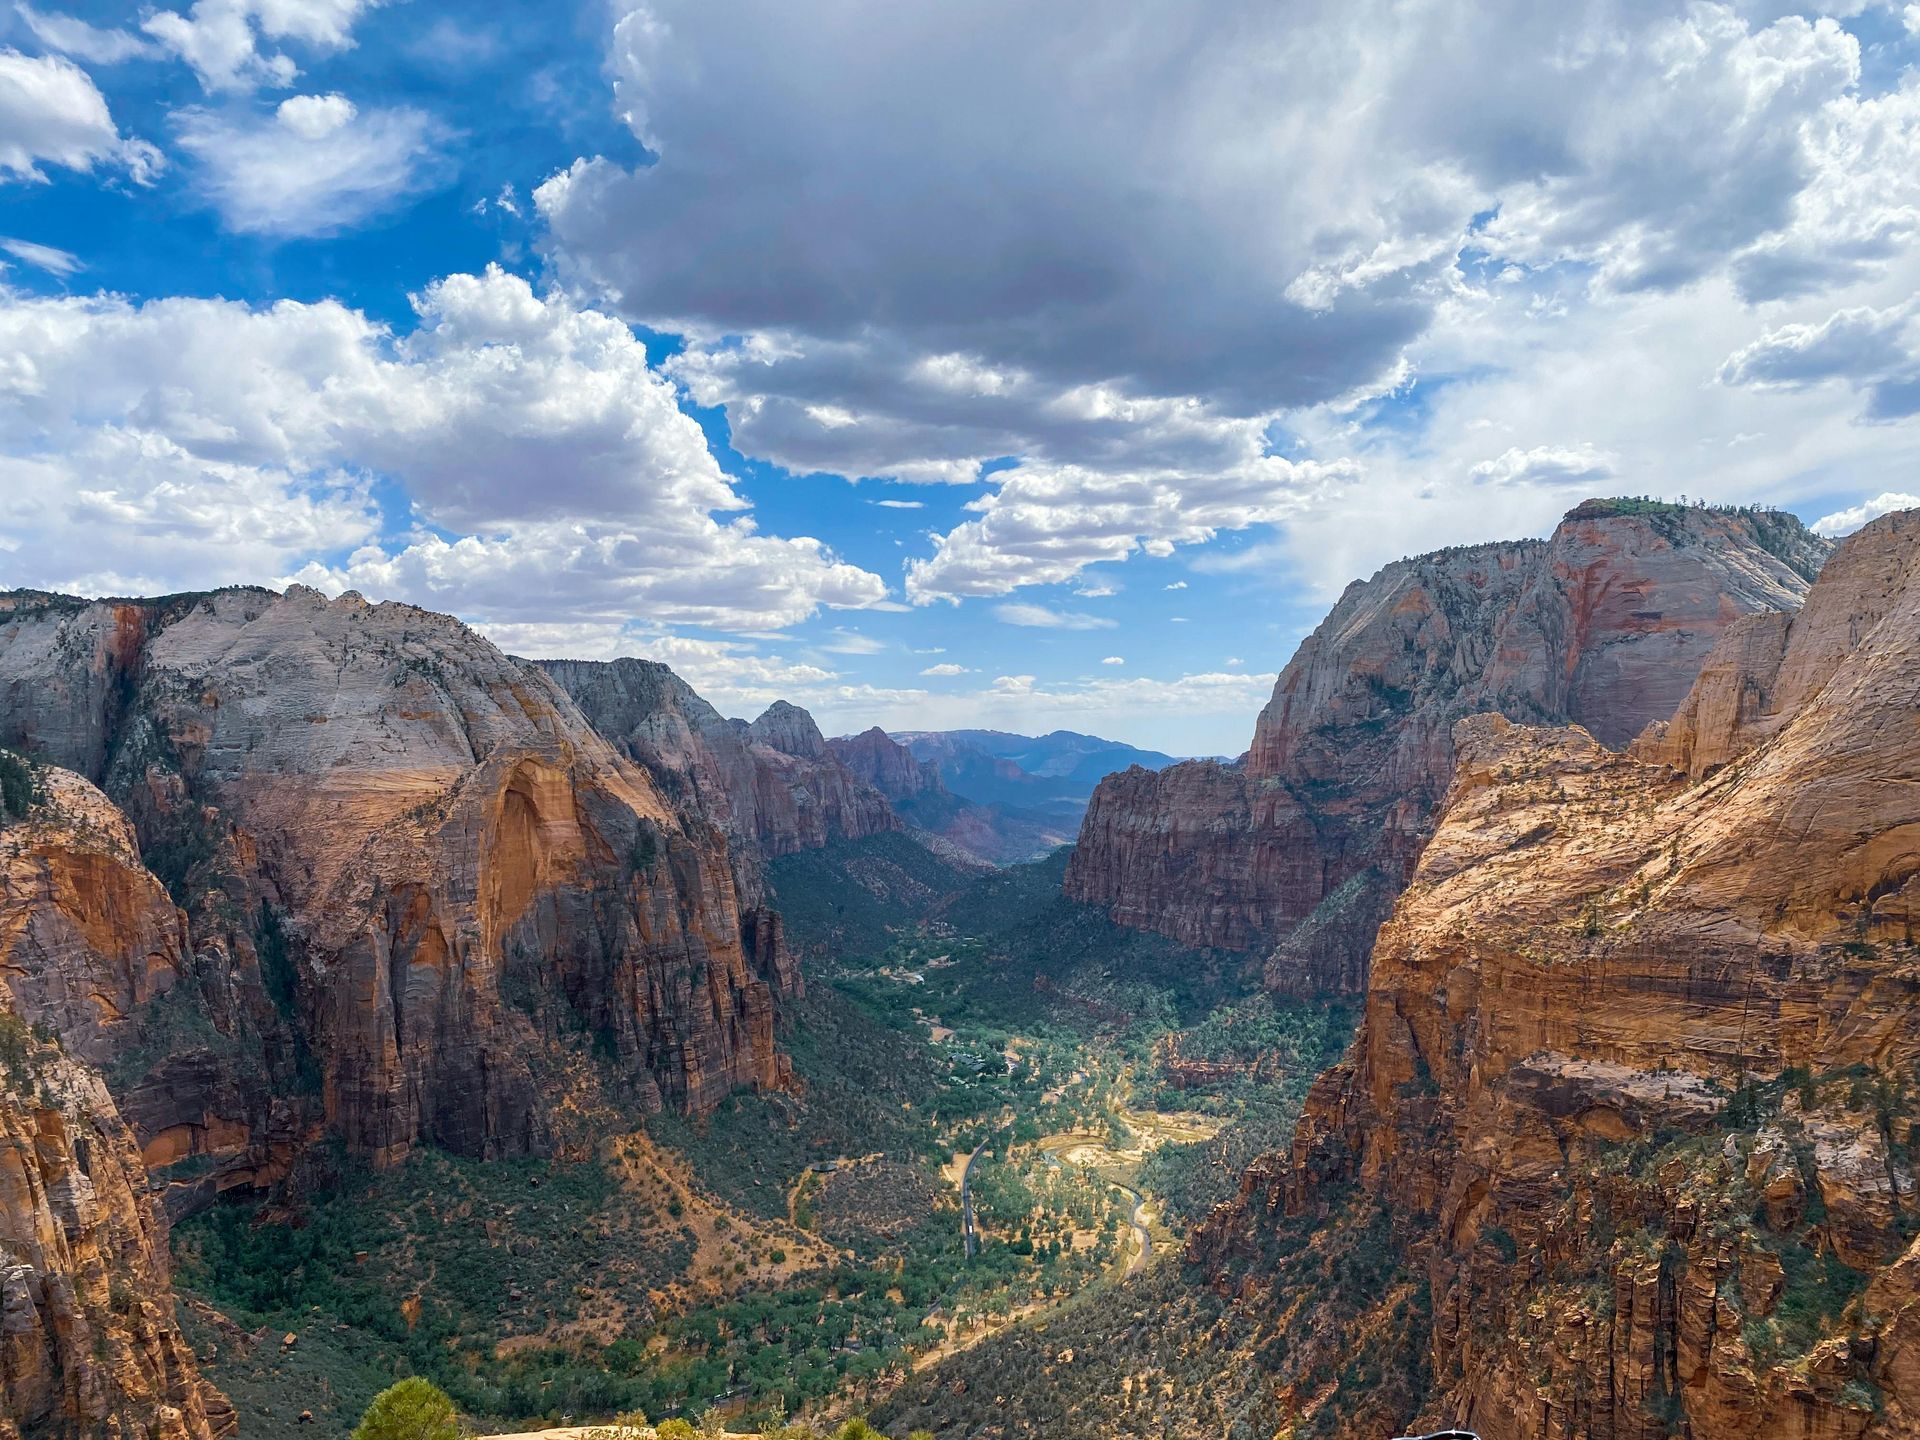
(969, 1233)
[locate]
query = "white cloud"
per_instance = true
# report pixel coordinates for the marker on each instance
(318, 167)
(851, 642)
(1041, 618)
(1545, 464)
(131, 512)
(314, 117)
(495, 384)
(901, 504)
(1372, 257)
(51, 112)
(72, 36)
(1845, 522)
(946, 669)
(44, 257)
(1176, 585)
(1045, 524)
(1114, 660)
(220, 39)
(1863, 346)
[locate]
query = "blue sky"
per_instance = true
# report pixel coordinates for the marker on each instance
(934, 365)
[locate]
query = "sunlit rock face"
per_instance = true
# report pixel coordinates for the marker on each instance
(1299, 848)
(1635, 1078)
(401, 855)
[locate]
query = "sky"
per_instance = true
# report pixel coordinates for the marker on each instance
(934, 365)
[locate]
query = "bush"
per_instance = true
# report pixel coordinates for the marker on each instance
(414, 1409)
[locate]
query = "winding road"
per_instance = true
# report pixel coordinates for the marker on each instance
(969, 1232)
(1145, 1253)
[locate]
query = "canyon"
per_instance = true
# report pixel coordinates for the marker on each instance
(1613, 835)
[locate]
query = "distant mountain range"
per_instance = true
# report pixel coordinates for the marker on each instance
(1052, 775)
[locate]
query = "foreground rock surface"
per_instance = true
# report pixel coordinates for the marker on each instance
(1626, 1141)
(1299, 849)
(88, 1340)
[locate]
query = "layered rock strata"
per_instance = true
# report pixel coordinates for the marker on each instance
(1307, 839)
(88, 1341)
(1629, 1127)
(406, 861)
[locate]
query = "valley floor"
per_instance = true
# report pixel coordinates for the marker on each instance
(802, 1253)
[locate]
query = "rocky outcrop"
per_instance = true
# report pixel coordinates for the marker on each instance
(774, 787)
(408, 863)
(1605, 624)
(1629, 1121)
(88, 936)
(88, 1341)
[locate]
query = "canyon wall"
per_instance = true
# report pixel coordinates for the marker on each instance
(408, 864)
(1298, 849)
(773, 787)
(1626, 1143)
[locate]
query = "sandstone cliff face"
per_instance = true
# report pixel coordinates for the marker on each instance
(87, 934)
(88, 1343)
(773, 787)
(1605, 624)
(404, 857)
(1634, 1090)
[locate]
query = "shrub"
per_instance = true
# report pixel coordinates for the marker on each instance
(414, 1409)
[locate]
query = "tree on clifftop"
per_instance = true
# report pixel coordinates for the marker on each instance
(414, 1409)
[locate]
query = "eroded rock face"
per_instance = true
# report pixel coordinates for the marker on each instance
(774, 787)
(87, 934)
(403, 855)
(1605, 624)
(1633, 1084)
(88, 1342)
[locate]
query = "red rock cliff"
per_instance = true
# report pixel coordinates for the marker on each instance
(1304, 843)
(88, 1342)
(1628, 1133)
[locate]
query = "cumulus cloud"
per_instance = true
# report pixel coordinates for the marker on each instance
(1114, 348)
(1545, 465)
(1114, 660)
(1845, 522)
(1863, 346)
(1039, 617)
(221, 39)
(1045, 524)
(318, 166)
(495, 387)
(51, 112)
(946, 668)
